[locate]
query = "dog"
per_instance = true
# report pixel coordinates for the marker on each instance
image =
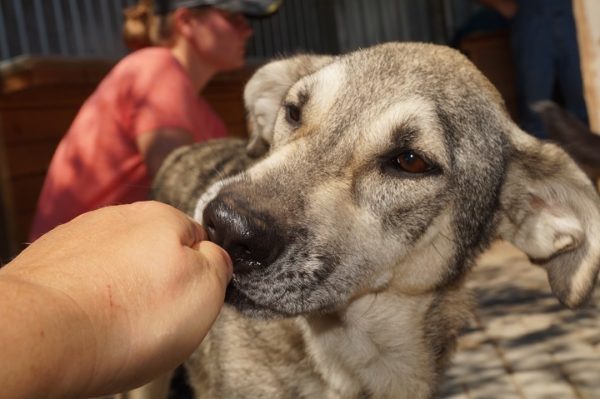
(379, 177)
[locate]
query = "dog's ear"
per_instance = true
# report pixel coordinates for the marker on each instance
(265, 91)
(550, 210)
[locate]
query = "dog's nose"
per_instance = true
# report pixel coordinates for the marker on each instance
(248, 238)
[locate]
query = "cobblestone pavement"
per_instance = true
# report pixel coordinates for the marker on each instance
(522, 343)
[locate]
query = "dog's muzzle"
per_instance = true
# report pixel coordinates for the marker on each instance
(247, 235)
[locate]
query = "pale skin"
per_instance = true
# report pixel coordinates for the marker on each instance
(204, 43)
(107, 302)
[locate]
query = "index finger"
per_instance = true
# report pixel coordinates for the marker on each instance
(189, 232)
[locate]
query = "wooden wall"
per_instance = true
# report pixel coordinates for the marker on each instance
(491, 53)
(224, 93)
(38, 100)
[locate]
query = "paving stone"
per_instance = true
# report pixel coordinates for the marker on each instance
(540, 384)
(479, 372)
(522, 342)
(580, 363)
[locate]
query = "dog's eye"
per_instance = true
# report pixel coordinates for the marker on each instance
(292, 114)
(409, 162)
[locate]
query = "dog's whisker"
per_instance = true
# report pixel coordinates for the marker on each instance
(437, 250)
(447, 238)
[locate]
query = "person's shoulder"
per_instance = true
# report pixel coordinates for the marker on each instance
(148, 65)
(150, 56)
(138, 70)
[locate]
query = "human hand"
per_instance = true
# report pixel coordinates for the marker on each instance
(133, 288)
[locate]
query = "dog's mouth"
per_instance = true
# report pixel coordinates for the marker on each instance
(239, 300)
(249, 295)
(297, 283)
(246, 305)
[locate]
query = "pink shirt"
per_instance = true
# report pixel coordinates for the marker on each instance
(97, 163)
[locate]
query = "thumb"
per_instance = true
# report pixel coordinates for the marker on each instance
(202, 294)
(217, 262)
(214, 271)
(206, 293)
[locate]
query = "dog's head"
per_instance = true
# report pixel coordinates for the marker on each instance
(391, 168)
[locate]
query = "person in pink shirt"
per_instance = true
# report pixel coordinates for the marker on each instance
(146, 106)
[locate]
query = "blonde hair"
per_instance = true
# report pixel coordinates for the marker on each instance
(142, 28)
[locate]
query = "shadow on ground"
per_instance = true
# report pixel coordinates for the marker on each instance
(522, 343)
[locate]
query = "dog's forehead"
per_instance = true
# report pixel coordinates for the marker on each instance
(431, 94)
(323, 88)
(376, 78)
(391, 72)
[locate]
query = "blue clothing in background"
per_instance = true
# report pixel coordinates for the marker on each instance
(481, 21)
(544, 42)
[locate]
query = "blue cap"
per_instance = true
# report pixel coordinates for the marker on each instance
(250, 8)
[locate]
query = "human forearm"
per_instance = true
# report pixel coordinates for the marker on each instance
(155, 146)
(45, 342)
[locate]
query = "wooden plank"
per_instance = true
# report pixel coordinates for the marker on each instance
(587, 17)
(8, 222)
(30, 158)
(225, 95)
(47, 96)
(29, 125)
(491, 54)
(34, 71)
(24, 221)
(26, 191)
